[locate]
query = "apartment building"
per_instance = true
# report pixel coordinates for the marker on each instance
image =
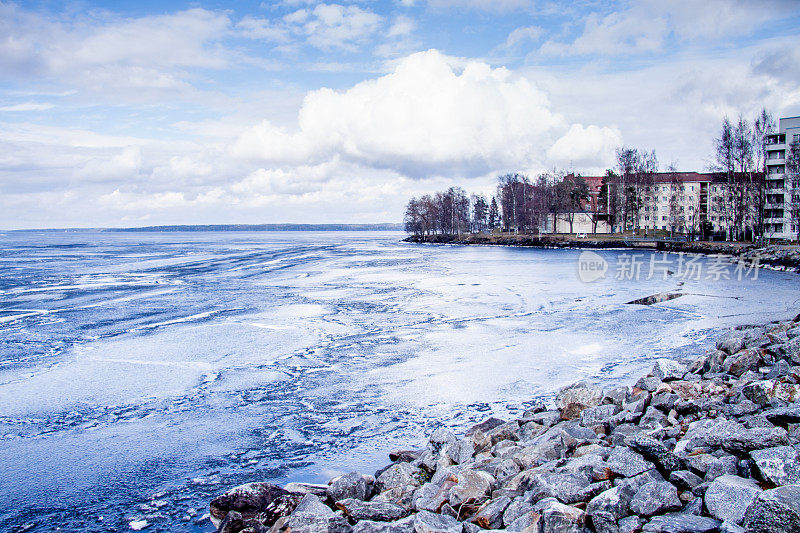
(778, 215)
(678, 202)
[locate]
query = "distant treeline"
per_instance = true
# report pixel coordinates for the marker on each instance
(268, 227)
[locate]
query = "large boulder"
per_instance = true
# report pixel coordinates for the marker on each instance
(490, 516)
(668, 369)
(774, 510)
(400, 475)
(627, 463)
(352, 485)
(681, 523)
(655, 498)
(779, 465)
(728, 497)
(573, 399)
(356, 510)
(560, 518)
(312, 516)
(472, 486)
(268, 501)
(655, 451)
(427, 522)
(406, 525)
(740, 362)
(568, 488)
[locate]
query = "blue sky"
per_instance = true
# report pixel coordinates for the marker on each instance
(139, 113)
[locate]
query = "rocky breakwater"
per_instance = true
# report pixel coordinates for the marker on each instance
(709, 445)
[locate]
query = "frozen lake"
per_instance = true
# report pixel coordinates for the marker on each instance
(143, 373)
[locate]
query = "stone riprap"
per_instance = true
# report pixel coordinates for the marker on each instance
(704, 445)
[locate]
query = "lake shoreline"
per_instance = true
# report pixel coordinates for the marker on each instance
(708, 443)
(774, 257)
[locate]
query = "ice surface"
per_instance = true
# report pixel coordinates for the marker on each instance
(138, 369)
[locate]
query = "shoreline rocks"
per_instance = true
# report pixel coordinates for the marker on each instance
(707, 445)
(776, 257)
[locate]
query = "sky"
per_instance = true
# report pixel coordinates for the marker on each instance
(119, 114)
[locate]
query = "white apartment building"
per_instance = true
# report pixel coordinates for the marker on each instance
(778, 215)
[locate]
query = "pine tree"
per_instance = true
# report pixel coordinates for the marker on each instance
(494, 214)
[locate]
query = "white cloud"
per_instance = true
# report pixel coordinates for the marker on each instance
(337, 26)
(27, 106)
(646, 26)
(109, 53)
(485, 5)
(522, 34)
(583, 148)
(422, 120)
(401, 26)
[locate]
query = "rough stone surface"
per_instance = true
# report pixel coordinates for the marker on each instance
(352, 485)
(681, 523)
(252, 499)
(779, 465)
(655, 498)
(406, 525)
(774, 510)
(427, 522)
(668, 369)
(728, 497)
(356, 509)
(627, 463)
(312, 516)
(571, 400)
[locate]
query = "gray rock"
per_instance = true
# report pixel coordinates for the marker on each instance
(400, 475)
(486, 425)
(779, 369)
(517, 508)
(745, 407)
(721, 466)
(668, 369)
(600, 414)
(731, 436)
(573, 399)
(615, 396)
(461, 451)
(664, 401)
(655, 451)
(655, 498)
(352, 485)
(684, 480)
(379, 511)
(782, 416)
(427, 522)
(630, 524)
(741, 362)
(528, 522)
(560, 518)
(490, 516)
(774, 510)
(568, 488)
(251, 499)
(440, 439)
(648, 383)
(615, 501)
(681, 523)
(728, 527)
(546, 418)
(627, 463)
(432, 496)
(779, 465)
(728, 497)
(603, 522)
(472, 486)
(732, 342)
(312, 516)
(406, 525)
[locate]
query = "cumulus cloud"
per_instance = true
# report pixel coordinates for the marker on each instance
(425, 118)
(583, 147)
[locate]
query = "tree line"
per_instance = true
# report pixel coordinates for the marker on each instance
(627, 196)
